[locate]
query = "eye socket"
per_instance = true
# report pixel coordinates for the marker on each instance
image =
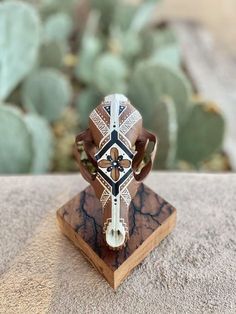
(144, 158)
(148, 150)
(85, 158)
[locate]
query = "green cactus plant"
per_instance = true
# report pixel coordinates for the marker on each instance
(202, 133)
(51, 54)
(124, 15)
(46, 92)
(169, 55)
(64, 130)
(16, 153)
(142, 16)
(107, 9)
(165, 48)
(197, 124)
(127, 44)
(111, 73)
(57, 27)
(58, 69)
(42, 139)
(19, 43)
(166, 127)
(50, 7)
(151, 81)
(85, 102)
(130, 16)
(89, 51)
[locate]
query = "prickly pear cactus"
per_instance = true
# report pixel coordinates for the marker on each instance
(107, 9)
(169, 55)
(59, 58)
(19, 43)
(57, 27)
(49, 7)
(124, 15)
(64, 131)
(151, 81)
(46, 92)
(127, 44)
(111, 73)
(142, 16)
(42, 139)
(90, 49)
(202, 134)
(16, 153)
(165, 126)
(51, 54)
(85, 102)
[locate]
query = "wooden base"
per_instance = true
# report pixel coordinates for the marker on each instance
(151, 219)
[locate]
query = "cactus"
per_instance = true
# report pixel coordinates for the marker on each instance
(52, 54)
(165, 48)
(130, 17)
(42, 140)
(85, 102)
(166, 127)
(129, 20)
(46, 92)
(58, 72)
(64, 131)
(151, 81)
(19, 42)
(57, 27)
(169, 55)
(111, 73)
(127, 44)
(201, 128)
(143, 16)
(202, 133)
(90, 49)
(16, 153)
(49, 7)
(107, 9)
(124, 15)
(153, 40)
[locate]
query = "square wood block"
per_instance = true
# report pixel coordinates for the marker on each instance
(151, 219)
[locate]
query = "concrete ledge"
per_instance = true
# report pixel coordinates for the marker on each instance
(193, 270)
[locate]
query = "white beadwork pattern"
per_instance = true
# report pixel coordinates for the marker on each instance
(129, 122)
(105, 197)
(126, 196)
(100, 124)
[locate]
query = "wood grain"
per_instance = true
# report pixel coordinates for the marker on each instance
(151, 220)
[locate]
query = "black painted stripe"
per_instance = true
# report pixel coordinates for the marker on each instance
(115, 185)
(114, 140)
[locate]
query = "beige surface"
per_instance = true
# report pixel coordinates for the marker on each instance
(218, 15)
(192, 271)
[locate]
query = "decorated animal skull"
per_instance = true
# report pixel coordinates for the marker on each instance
(116, 143)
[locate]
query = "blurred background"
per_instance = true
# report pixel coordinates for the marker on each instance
(174, 59)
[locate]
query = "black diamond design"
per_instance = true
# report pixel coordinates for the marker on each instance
(114, 140)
